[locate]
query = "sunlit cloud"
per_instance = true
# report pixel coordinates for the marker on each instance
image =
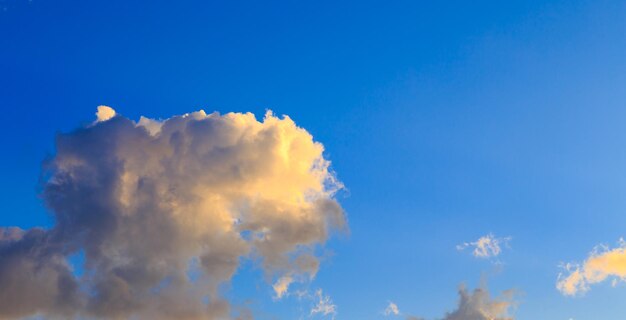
(602, 264)
(487, 246)
(165, 211)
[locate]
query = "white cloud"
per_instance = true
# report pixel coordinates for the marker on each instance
(602, 264)
(150, 203)
(486, 246)
(392, 309)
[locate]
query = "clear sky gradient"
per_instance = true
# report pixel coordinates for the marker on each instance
(445, 120)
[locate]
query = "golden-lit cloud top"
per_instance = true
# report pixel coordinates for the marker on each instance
(164, 212)
(104, 113)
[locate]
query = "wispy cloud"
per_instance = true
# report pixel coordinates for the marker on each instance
(602, 264)
(485, 247)
(324, 305)
(165, 211)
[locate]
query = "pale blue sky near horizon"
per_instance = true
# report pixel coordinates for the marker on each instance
(446, 121)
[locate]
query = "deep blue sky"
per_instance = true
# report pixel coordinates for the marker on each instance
(445, 120)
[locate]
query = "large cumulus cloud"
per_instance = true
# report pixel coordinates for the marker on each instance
(164, 211)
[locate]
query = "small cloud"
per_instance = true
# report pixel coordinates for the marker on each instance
(603, 263)
(486, 246)
(475, 305)
(281, 286)
(392, 309)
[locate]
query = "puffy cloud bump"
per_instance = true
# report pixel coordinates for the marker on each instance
(104, 113)
(164, 211)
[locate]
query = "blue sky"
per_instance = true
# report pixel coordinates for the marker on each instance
(446, 121)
